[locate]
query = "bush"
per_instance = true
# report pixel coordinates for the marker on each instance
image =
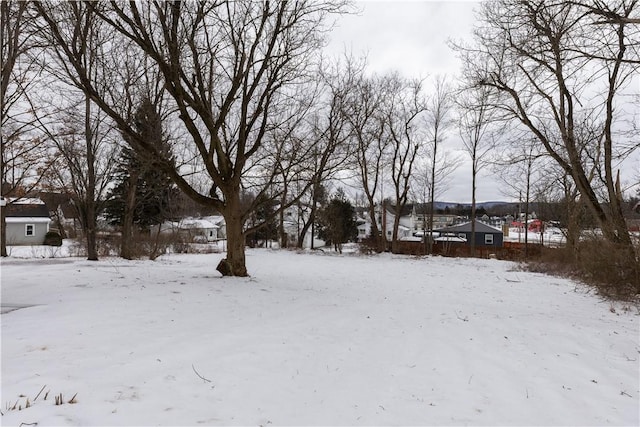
(609, 268)
(52, 238)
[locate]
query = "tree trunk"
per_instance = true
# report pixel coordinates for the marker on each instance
(305, 228)
(90, 197)
(235, 262)
(155, 243)
(431, 209)
(284, 239)
(375, 231)
(312, 219)
(3, 232)
(472, 243)
(526, 212)
(3, 212)
(126, 244)
(396, 227)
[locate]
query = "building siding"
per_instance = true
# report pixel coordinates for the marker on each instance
(16, 232)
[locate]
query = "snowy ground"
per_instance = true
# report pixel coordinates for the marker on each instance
(311, 339)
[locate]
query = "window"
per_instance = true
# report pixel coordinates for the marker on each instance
(488, 239)
(29, 230)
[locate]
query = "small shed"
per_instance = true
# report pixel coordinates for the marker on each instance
(485, 235)
(27, 221)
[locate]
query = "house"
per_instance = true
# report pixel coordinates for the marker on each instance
(27, 221)
(200, 230)
(485, 235)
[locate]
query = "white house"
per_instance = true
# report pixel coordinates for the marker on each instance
(203, 229)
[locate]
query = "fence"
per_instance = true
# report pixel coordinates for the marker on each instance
(509, 250)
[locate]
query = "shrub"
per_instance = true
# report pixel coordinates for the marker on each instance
(52, 238)
(609, 268)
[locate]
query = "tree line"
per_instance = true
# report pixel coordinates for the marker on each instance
(233, 105)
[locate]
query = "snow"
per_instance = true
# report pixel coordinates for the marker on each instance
(21, 219)
(25, 201)
(552, 236)
(311, 339)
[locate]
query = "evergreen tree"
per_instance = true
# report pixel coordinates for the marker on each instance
(142, 192)
(337, 224)
(262, 226)
(153, 192)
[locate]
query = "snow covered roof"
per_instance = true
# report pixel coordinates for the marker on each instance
(27, 219)
(410, 239)
(24, 201)
(481, 227)
(450, 239)
(197, 223)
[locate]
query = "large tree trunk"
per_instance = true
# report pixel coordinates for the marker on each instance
(235, 262)
(573, 223)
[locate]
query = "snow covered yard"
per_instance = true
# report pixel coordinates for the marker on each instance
(312, 339)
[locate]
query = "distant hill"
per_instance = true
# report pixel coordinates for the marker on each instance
(485, 205)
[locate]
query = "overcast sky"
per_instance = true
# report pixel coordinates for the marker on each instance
(411, 37)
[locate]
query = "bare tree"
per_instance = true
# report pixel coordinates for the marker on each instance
(86, 147)
(227, 67)
(364, 113)
(329, 132)
(555, 63)
(520, 170)
(476, 120)
(83, 135)
(404, 118)
(441, 164)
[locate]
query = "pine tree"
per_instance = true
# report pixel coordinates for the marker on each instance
(337, 224)
(142, 192)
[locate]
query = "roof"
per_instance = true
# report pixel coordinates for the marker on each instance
(406, 209)
(410, 239)
(27, 219)
(197, 223)
(457, 239)
(22, 209)
(481, 227)
(25, 201)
